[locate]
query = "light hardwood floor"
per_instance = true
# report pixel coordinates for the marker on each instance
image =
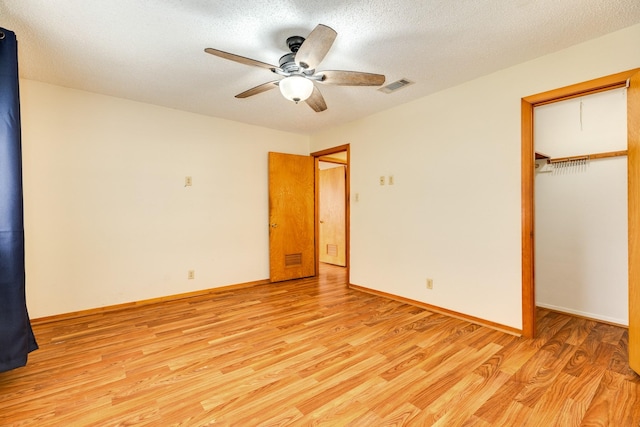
(312, 352)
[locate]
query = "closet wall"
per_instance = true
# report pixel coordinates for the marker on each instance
(581, 208)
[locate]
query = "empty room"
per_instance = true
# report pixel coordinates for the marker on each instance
(291, 213)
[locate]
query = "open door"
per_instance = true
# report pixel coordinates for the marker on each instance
(633, 167)
(291, 217)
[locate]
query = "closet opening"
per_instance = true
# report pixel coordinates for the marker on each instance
(614, 81)
(580, 227)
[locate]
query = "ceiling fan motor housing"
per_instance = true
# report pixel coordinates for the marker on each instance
(288, 66)
(288, 63)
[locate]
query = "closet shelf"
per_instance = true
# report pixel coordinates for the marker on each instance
(594, 156)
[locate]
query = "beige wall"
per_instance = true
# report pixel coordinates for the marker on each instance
(454, 212)
(108, 219)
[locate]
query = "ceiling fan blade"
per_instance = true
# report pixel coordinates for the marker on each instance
(316, 101)
(315, 47)
(240, 59)
(350, 78)
(258, 89)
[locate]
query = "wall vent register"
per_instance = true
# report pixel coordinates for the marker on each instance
(332, 249)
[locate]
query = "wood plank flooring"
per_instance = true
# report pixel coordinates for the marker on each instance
(313, 352)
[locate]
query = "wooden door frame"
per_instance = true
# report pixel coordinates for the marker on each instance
(347, 228)
(528, 103)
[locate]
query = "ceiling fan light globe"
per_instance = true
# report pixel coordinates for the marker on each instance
(296, 88)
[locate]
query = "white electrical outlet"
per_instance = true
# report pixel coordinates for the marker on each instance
(390, 179)
(188, 182)
(382, 179)
(191, 274)
(429, 283)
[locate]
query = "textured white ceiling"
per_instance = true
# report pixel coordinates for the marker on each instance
(152, 50)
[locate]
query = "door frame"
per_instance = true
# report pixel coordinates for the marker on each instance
(528, 103)
(347, 194)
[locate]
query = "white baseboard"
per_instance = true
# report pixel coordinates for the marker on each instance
(593, 316)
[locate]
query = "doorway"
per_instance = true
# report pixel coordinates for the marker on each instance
(332, 247)
(331, 209)
(581, 206)
(614, 81)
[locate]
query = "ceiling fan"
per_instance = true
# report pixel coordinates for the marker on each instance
(299, 69)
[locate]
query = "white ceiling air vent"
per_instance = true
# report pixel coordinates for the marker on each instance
(397, 85)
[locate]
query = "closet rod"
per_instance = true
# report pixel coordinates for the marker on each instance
(589, 156)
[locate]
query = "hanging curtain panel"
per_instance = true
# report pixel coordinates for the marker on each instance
(16, 336)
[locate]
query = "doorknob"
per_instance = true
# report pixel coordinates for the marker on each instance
(274, 225)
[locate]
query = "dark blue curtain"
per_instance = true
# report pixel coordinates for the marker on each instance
(16, 336)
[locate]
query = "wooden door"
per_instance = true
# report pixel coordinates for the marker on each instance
(332, 216)
(291, 217)
(633, 170)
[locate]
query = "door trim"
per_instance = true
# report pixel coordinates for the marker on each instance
(316, 155)
(528, 103)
